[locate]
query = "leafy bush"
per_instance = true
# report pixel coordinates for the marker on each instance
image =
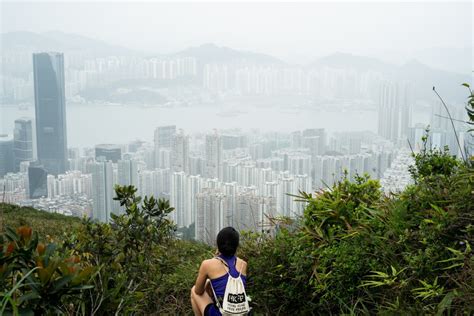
(130, 253)
(433, 163)
(37, 278)
(356, 251)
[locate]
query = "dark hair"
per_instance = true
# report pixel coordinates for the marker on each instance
(228, 241)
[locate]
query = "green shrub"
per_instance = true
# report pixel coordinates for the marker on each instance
(37, 278)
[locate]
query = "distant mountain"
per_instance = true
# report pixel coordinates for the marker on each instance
(456, 59)
(420, 75)
(58, 41)
(349, 61)
(208, 53)
(448, 84)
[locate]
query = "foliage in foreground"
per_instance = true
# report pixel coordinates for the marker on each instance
(356, 251)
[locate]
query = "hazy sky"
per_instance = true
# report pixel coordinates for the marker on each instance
(292, 31)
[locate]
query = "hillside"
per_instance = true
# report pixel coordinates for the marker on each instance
(211, 53)
(46, 224)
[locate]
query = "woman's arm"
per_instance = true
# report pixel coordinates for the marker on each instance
(201, 279)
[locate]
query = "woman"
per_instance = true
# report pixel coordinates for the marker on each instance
(213, 272)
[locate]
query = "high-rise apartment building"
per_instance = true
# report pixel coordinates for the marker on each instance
(127, 172)
(164, 136)
(248, 210)
(210, 214)
(180, 216)
(103, 193)
(214, 156)
(50, 109)
(285, 203)
(180, 152)
(194, 187)
(394, 111)
(315, 140)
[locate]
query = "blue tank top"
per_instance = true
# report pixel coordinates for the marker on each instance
(220, 283)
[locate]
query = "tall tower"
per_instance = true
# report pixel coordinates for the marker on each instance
(214, 156)
(102, 184)
(394, 111)
(127, 172)
(180, 153)
(6, 154)
(50, 109)
(164, 136)
(23, 141)
(181, 216)
(211, 203)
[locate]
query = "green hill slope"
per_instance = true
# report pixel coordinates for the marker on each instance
(46, 224)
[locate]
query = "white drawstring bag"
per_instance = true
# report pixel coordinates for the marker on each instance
(235, 301)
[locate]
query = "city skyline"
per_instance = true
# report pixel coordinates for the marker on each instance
(230, 134)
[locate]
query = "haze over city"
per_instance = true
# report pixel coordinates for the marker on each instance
(440, 33)
(236, 157)
(246, 101)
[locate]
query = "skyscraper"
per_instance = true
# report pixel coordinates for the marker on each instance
(164, 136)
(210, 214)
(315, 140)
(23, 141)
(50, 109)
(181, 215)
(180, 153)
(194, 186)
(6, 155)
(103, 193)
(394, 111)
(127, 172)
(214, 158)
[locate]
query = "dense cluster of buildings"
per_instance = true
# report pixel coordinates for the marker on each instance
(82, 73)
(277, 79)
(234, 77)
(212, 179)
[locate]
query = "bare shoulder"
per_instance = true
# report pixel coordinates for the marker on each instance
(242, 266)
(206, 264)
(211, 264)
